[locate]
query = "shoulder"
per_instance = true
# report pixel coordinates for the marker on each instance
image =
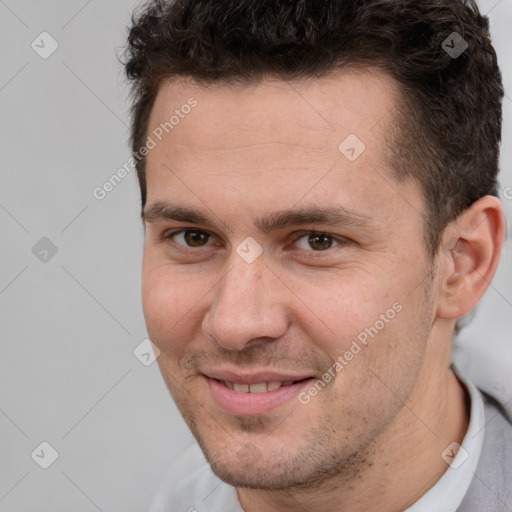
(491, 487)
(189, 485)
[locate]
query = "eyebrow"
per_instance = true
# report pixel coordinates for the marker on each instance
(281, 219)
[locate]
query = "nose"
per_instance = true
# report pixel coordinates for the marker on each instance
(247, 307)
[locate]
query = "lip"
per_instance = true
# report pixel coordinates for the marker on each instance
(253, 404)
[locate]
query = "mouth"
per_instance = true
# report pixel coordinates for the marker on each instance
(254, 395)
(259, 387)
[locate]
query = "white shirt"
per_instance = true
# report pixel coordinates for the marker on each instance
(191, 486)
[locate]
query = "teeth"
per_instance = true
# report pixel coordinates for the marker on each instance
(259, 387)
(273, 385)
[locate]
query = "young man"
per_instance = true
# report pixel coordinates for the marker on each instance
(318, 184)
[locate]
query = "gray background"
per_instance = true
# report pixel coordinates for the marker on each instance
(70, 321)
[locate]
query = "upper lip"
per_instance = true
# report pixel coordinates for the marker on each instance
(254, 377)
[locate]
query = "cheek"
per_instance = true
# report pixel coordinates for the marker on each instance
(171, 305)
(338, 314)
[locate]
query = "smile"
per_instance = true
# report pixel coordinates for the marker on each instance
(259, 387)
(253, 395)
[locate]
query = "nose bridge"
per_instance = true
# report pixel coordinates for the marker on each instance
(244, 306)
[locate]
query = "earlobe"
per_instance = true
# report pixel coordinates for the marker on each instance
(469, 257)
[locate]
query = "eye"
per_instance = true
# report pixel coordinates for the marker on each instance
(317, 241)
(311, 241)
(189, 237)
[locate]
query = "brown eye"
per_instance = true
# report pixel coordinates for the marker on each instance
(316, 241)
(190, 237)
(320, 242)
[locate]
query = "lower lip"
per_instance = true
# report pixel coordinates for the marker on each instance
(253, 404)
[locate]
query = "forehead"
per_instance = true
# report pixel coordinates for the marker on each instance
(318, 139)
(306, 111)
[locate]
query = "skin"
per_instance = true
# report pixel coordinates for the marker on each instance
(376, 432)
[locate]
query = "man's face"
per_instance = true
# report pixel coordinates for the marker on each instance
(263, 289)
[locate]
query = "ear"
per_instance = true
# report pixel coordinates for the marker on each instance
(471, 250)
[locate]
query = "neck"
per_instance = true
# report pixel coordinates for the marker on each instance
(401, 465)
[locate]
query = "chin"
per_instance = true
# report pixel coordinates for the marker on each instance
(257, 477)
(275, 469)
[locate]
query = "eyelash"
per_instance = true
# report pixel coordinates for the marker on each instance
(168, 236)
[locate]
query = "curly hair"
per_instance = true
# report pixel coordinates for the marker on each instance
(446, 129)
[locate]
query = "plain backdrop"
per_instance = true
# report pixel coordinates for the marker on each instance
(70, 308)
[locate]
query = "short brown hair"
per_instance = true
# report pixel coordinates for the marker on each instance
(447, 129)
